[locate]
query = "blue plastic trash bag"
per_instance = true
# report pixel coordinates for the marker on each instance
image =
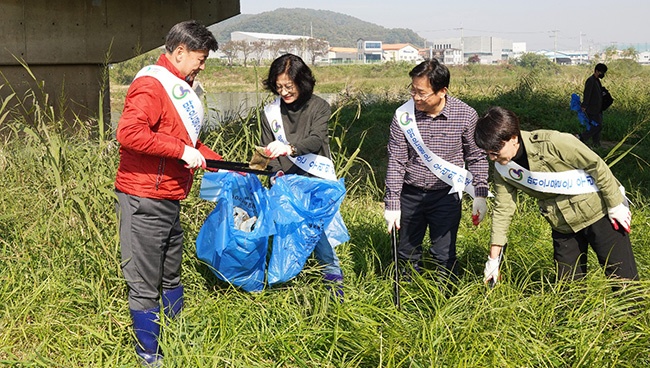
(235, 256)
(303, 208)
(582, 117)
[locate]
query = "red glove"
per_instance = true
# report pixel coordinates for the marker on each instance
(620, 215)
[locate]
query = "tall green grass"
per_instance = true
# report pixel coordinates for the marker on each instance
(63, 300)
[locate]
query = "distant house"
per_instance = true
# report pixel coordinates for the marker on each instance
(342, 55)
(369, 51)
(448, 56)
(401, 52)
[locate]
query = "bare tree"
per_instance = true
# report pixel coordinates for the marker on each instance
(274, 48)
(229, 49)
(258, 48)
(245, 48)
(316, 47)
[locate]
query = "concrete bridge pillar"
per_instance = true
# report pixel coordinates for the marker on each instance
(62, 48)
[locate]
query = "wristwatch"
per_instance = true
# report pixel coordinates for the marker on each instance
(293, 150)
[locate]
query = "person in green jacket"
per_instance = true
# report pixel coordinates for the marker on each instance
(576, 192)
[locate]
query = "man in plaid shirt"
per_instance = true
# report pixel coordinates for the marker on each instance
(431, 142)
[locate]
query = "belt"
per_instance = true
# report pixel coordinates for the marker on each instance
(418, 189)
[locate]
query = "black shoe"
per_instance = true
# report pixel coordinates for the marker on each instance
(407, 270)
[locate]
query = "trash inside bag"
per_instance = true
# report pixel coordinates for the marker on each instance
(242, 219)
(234, 238)
(303, 208)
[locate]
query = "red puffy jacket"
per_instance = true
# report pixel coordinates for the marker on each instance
(152, 139)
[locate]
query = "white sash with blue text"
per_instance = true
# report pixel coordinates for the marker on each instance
(458, 178)
(569, 182)
(312, 163)
(187, 103)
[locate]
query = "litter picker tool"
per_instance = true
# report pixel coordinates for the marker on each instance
(257, 165)
(393, 238)
(236, 166)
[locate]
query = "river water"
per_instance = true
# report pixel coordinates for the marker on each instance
(228, 106)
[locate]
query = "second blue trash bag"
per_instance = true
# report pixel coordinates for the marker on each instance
(235, 256)
(582, 117)
(303, 208)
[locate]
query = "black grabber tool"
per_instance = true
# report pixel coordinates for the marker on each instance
(394, 242)
(257, 165)
(236, 166)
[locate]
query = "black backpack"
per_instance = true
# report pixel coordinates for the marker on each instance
(607, 99)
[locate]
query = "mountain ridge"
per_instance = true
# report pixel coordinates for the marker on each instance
(340, 30)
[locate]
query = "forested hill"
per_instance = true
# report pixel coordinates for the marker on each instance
(339, 29)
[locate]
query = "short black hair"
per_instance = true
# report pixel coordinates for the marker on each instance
(437, 73)
(601, 68)
(296, 70)
(496, 127)
(194, 35)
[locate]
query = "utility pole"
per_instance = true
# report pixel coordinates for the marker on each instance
(462, 45)
(581, 58)
(555, 31)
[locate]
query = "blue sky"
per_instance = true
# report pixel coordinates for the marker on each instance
(541, 24)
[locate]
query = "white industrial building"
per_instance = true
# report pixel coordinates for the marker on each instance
(275, 44)
(518, 49)
(643, 57)
(488, 50)
(566, 57)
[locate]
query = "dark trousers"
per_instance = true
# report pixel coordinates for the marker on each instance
(595, 131)
(438, 211)
(151, 243)
(612, 248)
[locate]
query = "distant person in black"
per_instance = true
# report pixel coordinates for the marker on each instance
(592, 104)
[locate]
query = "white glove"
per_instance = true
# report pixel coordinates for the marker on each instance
(277, 148)
(620, 215)
(479, 209)
(491, 271)
(193, 158)
(392, 219)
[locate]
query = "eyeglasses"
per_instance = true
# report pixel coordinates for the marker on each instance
(289, 88)
(420, 96)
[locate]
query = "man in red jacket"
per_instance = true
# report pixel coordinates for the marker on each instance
(158, 134)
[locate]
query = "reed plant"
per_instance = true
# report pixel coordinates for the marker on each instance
(63, 299)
